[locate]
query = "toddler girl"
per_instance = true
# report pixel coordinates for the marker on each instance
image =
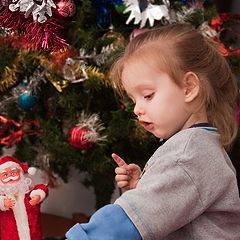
(184, 92)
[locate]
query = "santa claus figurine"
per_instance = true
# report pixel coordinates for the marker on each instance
(19, 202)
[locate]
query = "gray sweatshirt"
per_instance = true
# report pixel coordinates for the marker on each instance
(187, 192)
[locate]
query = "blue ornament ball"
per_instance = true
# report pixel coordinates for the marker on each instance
(27, 100)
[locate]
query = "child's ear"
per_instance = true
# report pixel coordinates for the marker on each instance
(191, 86)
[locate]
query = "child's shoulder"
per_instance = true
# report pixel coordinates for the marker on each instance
(196, 136)
(194, 149)
(191, 140)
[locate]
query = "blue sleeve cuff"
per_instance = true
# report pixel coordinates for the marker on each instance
(108, 223)
(76, 232)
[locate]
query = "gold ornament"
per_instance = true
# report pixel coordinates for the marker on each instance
(116, 38)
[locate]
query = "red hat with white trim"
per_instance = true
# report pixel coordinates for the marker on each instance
(9, 161)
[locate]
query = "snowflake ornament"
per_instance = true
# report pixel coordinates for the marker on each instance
(38, 8)
(207, 31)
(143, 11)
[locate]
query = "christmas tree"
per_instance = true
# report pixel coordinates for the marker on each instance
(58, 107)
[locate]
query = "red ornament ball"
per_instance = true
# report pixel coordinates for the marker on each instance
(66, 8)
(78, 138)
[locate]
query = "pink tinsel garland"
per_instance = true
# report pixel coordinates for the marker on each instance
(11, 20)
(45, 35)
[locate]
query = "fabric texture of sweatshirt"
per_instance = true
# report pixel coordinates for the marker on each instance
(187, 192)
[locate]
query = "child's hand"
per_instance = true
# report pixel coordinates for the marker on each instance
(35, 200)
(9, 202)
(127, 175)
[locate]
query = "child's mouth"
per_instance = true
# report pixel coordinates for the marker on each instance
(148, 126)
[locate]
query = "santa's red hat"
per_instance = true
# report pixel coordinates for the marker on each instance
(9, 161)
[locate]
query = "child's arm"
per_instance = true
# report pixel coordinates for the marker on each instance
(109, 222)
(127, 175)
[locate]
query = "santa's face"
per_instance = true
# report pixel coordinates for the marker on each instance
(10, 175)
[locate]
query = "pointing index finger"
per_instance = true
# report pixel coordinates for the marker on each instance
(120, 162)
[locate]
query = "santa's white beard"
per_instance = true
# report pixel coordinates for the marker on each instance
(21, 186)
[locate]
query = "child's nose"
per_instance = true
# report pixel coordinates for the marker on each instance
(138, 110)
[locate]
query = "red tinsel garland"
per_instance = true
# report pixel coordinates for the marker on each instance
(217, 24)
(16, 41)
(15, 135)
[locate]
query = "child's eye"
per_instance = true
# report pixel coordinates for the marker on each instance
(149, 96)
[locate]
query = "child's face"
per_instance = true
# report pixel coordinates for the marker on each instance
(159, 102)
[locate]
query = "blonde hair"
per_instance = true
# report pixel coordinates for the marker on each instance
(180, 48)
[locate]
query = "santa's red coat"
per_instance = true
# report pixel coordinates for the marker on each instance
(9, 229)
